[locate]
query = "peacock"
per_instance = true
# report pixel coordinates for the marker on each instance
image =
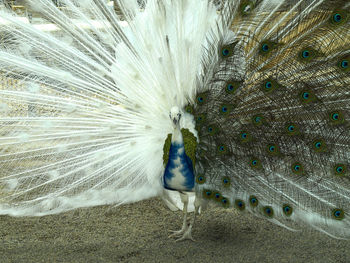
(239, 104)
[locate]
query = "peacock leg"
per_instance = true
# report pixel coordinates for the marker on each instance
(184, 199)
(188, 233)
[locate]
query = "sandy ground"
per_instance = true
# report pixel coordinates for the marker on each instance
(139, 233)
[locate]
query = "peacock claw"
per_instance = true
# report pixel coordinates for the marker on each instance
(186, 236)
(176, 233)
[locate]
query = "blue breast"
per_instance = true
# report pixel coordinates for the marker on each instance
(178, 174)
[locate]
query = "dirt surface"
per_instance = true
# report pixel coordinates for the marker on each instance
(139, 233)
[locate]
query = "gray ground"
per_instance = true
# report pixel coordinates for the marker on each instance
(138, 233)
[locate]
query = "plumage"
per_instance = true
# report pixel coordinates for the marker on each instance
(244, 103)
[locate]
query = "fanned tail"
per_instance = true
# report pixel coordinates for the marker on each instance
(274, 126)
(85, 100)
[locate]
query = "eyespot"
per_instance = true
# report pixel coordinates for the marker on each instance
(225, 52)
(240, 204)
(268, 211)
(269, 85)
(297, 168)
(258, 120)
(200, 179)
(337, 117)
(344, 63)
(207, 193)
(337, 18)
(245, 137)
(212, 129)
(338, 214)
(307, 96)
(225, 109)
(217, 196)
(292, 129)
(226, 181)
(273, 149)
(340, 169)
(319, 145)
(265, 47)
(306, 54)
(287, 210)
(202, 98)
(253, 201)
(225, 202)
(222, 149)
(255, 163)
(231, 86)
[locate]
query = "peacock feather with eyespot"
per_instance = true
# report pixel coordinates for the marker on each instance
(286, 139)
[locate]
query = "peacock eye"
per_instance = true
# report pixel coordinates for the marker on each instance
(306, 54)
(345, 64)
(337, 18)
(306, 95)
(287, 209)
(265, 47)
(268, 211)
(338, 214)
(225, 52)
(335, 116)
(253, 201)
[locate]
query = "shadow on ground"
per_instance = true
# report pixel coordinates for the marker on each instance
(138, 233)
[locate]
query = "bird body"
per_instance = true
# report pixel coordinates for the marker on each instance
(178, 174)
(257, 91)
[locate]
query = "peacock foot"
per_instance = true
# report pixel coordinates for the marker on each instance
(177, 233)
(187, 235)
(184, 233)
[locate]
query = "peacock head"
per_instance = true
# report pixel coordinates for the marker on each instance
(175, 115)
